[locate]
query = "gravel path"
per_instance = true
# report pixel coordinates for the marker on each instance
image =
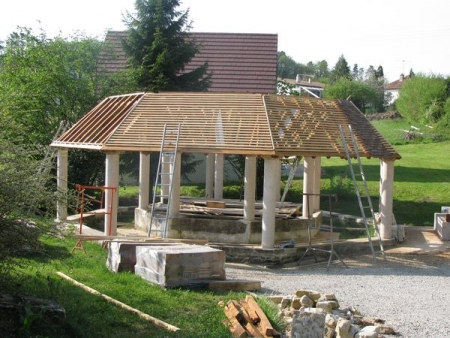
(411, 292)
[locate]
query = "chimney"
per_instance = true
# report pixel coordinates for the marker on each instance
(309, 80)
(402, 77)
(297, 78)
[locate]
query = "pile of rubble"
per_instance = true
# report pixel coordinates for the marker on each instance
(312, 314)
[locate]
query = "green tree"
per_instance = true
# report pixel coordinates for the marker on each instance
(422, 98)
(288, 68)
(158, 48)
(44, 82)
(360, 93)
(321, 69)
(340, 70)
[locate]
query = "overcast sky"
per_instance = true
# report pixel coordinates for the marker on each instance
(396, 34)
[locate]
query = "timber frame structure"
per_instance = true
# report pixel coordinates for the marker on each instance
(267, 126)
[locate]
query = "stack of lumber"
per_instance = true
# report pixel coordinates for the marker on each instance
(246, 319)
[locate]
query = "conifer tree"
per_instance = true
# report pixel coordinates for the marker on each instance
(159, 47)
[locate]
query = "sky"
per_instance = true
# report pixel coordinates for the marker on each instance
(399, 35)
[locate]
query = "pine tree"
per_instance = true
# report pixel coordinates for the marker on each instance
(158, 48)
(341, 69)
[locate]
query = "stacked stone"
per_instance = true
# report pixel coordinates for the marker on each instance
(179, 265)
(314, 315)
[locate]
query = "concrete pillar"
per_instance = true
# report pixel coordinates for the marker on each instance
(144, 180)
(218, 179)
(166, 167)
(386, 198)
(61, 181)
(249, 188)
(111, 197)
(308, 184)
(209, 179)
(272, 176)
(316, 185)
(174, 210)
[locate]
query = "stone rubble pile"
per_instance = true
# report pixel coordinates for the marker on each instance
(314, 315)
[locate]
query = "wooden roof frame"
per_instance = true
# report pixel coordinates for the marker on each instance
(228, 123)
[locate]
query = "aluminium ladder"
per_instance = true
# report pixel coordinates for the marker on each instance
(163, 186)
(291, 176)
(360, 186)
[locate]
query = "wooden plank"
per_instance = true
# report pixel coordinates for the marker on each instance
(253, 316)
(266, 327)
(246, 321)
(234, 285)
(235, 327)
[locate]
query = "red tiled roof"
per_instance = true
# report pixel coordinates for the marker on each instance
(396, 85)
(238, 62)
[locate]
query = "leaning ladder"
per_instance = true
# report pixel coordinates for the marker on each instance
(163, 186)
(360, 186)
(291, 176)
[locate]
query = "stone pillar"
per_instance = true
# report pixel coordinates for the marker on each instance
(61, 181)
(144, 180)
(308, 184)
(174, 210)
(386, 198)
(111, 197)
(249, 188)
(209, 179)
(316, 185)
(272, 175)
(218, 181)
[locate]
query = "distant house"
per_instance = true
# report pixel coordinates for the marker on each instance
(392, 89)
(305, 86)
(239, 62)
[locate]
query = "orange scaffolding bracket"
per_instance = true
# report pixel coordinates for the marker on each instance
(108, 210)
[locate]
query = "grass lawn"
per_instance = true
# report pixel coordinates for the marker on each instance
(195, 312)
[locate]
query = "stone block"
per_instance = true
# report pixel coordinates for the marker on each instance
(179, 265)
(308, 323)
(122, 255)
(368, 332)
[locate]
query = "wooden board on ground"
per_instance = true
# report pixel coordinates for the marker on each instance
(234, 285)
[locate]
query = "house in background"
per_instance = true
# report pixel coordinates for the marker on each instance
(305, 86)
(239, 62)
(393, 89)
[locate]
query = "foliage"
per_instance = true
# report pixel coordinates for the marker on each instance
(288, 68)
(24, 195)
(340, 70)
(158, 48)
(45, 82)
(286, 88)
(421, 99)
(359, 92)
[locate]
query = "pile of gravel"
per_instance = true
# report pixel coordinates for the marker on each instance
(411, 292)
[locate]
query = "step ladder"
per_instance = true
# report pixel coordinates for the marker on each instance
(291, 176)
(163, 187)
(360, 185)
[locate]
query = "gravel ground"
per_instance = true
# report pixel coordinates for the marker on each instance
(411, 292)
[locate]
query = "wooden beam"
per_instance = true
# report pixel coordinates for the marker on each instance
(141, 314)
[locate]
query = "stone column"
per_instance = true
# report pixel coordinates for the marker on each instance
(316, 185)
(209, 179)
(61, 181)
(272, 175)
(249, 188)
(218, 181)
(308, 184)
(174, 210)
(111, 197)
(386, 198)
(144, 180)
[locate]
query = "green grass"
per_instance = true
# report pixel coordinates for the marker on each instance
(195, 312)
